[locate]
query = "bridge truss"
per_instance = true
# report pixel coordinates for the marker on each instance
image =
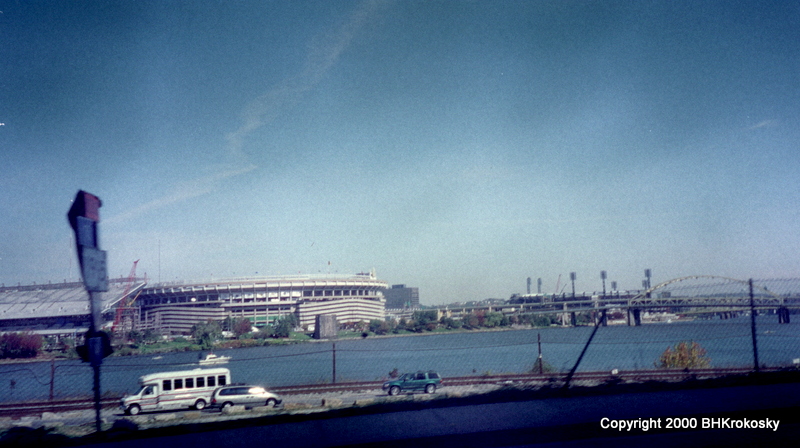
(713, 291)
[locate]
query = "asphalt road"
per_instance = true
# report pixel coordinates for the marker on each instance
(86, 418)
(563, 421)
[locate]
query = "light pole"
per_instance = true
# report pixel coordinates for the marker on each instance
(572, 277)
(603, 276)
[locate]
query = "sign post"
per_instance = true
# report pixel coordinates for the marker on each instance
(83, 216)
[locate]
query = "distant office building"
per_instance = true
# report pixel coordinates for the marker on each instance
(399, 297)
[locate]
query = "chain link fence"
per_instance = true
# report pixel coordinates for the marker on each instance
(690, 323)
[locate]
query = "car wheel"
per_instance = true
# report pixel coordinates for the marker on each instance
(227, 405)
(430, 388)
(272, 402)
(134, 409)
(394, 390)
(200, 405)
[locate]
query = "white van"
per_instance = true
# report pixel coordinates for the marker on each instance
(175, 390)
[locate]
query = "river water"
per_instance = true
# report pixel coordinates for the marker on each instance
(728, 343)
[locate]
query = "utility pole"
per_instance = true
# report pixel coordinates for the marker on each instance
(83, 216)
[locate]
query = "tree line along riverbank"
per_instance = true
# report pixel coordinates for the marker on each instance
(240, 333)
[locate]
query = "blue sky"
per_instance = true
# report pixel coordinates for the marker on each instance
(459, 147)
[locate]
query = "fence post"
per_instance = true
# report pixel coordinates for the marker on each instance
(52, 377)
(334, 363)
(753, 327)
(539, 359)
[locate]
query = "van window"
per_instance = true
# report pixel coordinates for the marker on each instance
(221, 380)
(178, 384)
(189, 383)
(148, 390)
(201, 382)
(167, 384)
(235, 391)
(211, 381)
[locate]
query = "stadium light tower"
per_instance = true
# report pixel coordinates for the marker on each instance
(572, 277)
(603, 277)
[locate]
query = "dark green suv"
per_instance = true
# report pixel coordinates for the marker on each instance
(424, 381)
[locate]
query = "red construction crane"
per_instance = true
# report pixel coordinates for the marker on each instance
(124, 304)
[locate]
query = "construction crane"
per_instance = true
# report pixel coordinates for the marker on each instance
(124, 306)
(558, 284)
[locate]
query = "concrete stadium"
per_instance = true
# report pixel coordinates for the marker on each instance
(173, 308)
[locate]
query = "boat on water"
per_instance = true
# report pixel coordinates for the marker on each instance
(212, 359)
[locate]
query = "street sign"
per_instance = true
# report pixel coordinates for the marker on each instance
(85, 232)
(93, 268)
(86, 205)
(83, 216)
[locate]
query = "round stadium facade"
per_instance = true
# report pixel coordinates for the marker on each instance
(175, 308)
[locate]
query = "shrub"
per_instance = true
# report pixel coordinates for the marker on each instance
(685, 355)
(20, 345)
(492, 320)
(242, 326)
(206, 334)
(450, 323)
(283, 326)
(470, 321)
(541, 320)
(424, 321)
(381, 326)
